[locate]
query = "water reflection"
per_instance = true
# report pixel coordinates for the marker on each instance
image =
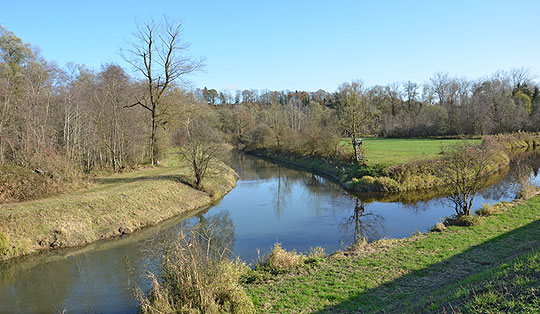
(282, 192)
(362, 225)
(270, 204)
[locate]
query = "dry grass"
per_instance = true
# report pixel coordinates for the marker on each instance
(115, 205)
(463, 221)
(197, 280)
(486, 210)
(439, 227)
(517, 140)
(280, 260)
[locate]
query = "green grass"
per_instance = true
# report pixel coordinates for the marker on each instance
(391, 151)
(114, 205)
(408, 275)
(380, 154)
(512, 287)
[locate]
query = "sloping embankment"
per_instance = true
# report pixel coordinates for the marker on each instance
(116, 205)
(419, 176)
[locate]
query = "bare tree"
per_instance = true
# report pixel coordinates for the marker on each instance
(355, 112)
(201, 149)
(466, 170)
(411, 92)
(438, 86)
(520, 76)
(392, 94)
(158, 53)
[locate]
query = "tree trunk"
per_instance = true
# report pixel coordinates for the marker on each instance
(153, 139)
(355, 147)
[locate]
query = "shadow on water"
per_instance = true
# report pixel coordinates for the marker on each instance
(415, 288)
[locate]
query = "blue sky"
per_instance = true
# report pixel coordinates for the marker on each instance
(297, 45)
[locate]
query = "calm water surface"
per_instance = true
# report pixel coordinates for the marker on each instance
(270, 204)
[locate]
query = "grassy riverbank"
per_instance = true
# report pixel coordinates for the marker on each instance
(450, 271)
(115, 205)
(385, 152)
(393, 165)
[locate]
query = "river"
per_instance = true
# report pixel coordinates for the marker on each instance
(270, 204)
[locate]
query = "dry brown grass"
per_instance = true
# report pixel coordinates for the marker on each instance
(197, 280)
(280, 260)
(115, 205)
(439, 227)
(22, 184)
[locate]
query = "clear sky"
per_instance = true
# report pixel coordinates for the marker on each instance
(297, 45)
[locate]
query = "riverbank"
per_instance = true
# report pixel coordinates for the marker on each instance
(432, 272)
(115, 205)
(404, 168)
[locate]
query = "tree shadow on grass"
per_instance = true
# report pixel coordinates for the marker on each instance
(175, 178)
(416, 291)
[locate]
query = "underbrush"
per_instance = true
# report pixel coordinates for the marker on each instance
(517, 140)
(51, 176)
(196, 278)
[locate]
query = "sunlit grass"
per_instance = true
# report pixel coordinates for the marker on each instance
(415, 274)
(392, 151)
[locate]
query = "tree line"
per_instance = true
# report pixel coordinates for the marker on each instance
(108, 119)
(55, 117)
(443, 106)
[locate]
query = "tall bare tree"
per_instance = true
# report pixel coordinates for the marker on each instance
(159, 54)
(355, 112)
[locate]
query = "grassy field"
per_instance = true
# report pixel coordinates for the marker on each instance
(486, 268)
(392, 151)
(381, 153)
(114, 205)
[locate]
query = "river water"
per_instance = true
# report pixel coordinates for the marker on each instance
(270, 204)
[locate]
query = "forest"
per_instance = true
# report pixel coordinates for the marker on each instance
(69, 121)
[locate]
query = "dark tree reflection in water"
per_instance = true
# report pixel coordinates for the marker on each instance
(362, 225)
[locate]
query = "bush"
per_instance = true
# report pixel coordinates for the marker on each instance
(262, 137)
(281, 261)
(388, 184)
(486, 210)
(439, 227)
(372, 171)
(463, 221)
(197, 280)
(367, 180)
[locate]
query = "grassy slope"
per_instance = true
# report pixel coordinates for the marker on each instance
(116, 204)
(512, 287)
(392, 151)
(406, 275)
